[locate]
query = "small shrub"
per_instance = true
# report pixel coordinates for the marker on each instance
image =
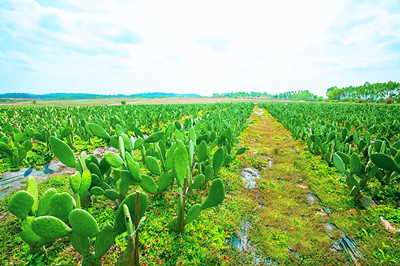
(123, 102)
(389, 100)
(361, 101)
(380, 100)
(33, 101)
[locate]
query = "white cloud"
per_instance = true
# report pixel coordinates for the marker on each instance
(200, 46)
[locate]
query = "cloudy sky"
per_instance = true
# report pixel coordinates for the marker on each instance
(184, 46)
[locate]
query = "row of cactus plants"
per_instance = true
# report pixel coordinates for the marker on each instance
(24, 128)
(173, 158)
(361, 152)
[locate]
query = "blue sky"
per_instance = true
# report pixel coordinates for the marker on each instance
(125, 46)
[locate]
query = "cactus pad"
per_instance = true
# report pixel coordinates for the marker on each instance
(199, 181)
(153, 165)
(75, 182)
(218, 159)
(31, 187)
(44, 202)
(50, 227)
(21, 204)
(62, 151)
(216, 195)
(61, 205)
(385, 162)
(193, 213)
(83, 223)
(148, 184)
(80, 243)
(98, 131)
(113, 159)
(104, 241)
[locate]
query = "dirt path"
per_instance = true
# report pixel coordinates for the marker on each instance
(284, 221)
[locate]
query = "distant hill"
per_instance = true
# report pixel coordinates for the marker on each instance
(77, 96)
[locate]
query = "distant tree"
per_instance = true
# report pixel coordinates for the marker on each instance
(123, 102)
(33, 101)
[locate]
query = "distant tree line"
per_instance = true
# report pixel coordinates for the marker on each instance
(301, 95)
(376, 92)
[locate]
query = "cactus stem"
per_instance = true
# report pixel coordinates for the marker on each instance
(183, 204)
(129, 230)
(137, 228)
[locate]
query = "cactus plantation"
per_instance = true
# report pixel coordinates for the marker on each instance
(168, 188)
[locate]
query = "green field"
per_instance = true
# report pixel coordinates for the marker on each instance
(199, 181)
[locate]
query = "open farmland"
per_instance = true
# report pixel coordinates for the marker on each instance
(216, 183)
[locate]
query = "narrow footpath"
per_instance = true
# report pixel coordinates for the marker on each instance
(294, 208)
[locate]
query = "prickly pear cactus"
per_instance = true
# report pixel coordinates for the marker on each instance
(50, 227)
(148, 184)
(98, 131)
(62, 151)
(83, 223)
(21, 204)
(216, 194)
(61, 205)
(44, 202)
(104, 241)
(130, 201)
(193, 213)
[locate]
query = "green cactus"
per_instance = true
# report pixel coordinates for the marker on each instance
(202, 151)
(356, 165)
(104, 241)
(153, 165)
(216, 194)
(97, 191)
(44, 202)
(337, 161)
(241, 151)
(50, 227)
(62, 151)
(31, 187)
(385, 162)
(193, 213)
(83, 223)
(133, 167)
(148, 184)
(199, 181)
(180, 162)
(130, 201)
(218, 159)
(21, 204)
(61, 204)
(165, 181)
(111, 194)
(80, 243)
(113, 159)
(75, 182)
(34, 241)
(98, 131)
(155, 137)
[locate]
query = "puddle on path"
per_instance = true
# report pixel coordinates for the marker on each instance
(259, 111)
(312, 199)
(249, 176)
(240, 242)
(15, 180)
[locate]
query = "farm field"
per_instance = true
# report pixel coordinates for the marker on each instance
(117, 101)
(210, 183)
